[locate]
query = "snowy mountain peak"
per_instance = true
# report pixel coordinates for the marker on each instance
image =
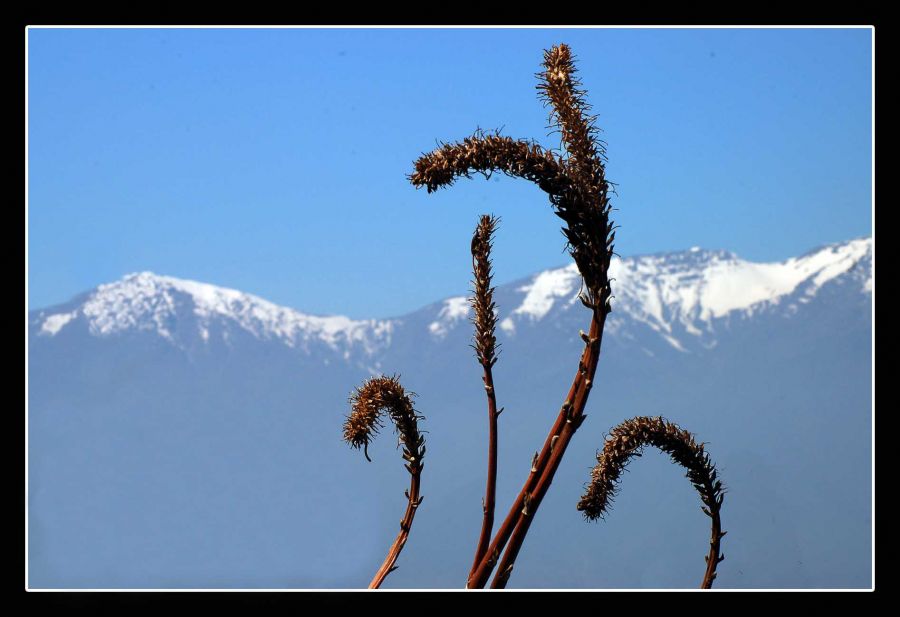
(689, 289)
(146, 301)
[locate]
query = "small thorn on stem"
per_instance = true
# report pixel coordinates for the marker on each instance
(534, 461)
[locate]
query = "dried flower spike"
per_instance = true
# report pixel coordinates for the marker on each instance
(368, 403)
(485, 345)
(559, 89)
(628, 440)
(484, 308)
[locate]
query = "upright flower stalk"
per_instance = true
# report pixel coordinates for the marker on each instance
(368, 403)
(485, 343)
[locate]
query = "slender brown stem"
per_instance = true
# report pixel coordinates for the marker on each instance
(483, 572)
(573, 419)
(713, 558)
(490, 490)
(405, 525)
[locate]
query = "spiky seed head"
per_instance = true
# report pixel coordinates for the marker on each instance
(367, 405)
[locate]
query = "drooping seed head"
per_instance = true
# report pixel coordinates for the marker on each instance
(627, 440)
(367, 404)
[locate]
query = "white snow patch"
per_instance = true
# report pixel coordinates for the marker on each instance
(741, 284)
(54, 323)
(546, 288)
(454, 310)
(674, 342)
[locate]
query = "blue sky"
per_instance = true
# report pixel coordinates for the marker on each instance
(275, 160)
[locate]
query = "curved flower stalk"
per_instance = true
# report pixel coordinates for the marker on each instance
(578, 191)
(628, 440)
(368, 404)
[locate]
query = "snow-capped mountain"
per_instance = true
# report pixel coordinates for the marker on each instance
(188, 435)
(169, 306)
(678, 295)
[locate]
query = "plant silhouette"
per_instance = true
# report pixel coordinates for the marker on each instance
(575, 182)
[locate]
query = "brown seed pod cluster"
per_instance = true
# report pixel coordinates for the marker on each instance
(484, 308)
(628, 440)
(560, 90)
(369, 402)
(485, 153)
(586, 208)
(575, 183)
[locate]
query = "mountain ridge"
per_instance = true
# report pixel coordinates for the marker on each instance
(677, 294)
